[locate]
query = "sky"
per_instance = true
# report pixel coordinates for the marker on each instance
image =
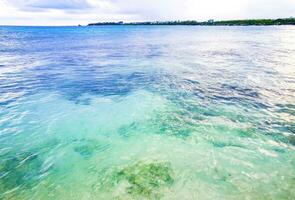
(73, 12)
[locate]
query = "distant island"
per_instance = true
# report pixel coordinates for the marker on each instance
(246, 22)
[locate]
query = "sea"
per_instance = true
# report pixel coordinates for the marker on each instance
(147, 112)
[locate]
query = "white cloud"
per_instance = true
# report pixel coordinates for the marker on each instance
(72, 12)
(32, 5)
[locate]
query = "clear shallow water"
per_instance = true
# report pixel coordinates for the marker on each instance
(146, 112)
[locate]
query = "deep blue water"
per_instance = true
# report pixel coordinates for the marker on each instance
(111, 111)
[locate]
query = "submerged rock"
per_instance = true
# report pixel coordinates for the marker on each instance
(128, 130)
(145, 180)
(174, 125)
(21, 170)
(88, 148)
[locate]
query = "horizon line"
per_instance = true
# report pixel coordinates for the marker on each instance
(142, 21)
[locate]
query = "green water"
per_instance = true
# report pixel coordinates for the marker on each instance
(94, 151)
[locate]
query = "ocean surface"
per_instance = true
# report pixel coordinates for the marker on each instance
(147, 112)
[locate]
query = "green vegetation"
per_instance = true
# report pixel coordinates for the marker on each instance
(256, 22)
(146, 179)
(142, 180)
(247, 22)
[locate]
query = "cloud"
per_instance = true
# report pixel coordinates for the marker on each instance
(41, 5)
(72, 12)
(270, 8)
(206, 9)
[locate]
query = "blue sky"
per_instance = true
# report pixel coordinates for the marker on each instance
(73, 12)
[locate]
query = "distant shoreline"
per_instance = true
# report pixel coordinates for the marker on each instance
(246, 22)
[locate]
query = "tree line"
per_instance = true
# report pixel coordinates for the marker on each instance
(246, 22)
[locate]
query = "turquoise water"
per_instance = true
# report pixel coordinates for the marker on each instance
(147, 112)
